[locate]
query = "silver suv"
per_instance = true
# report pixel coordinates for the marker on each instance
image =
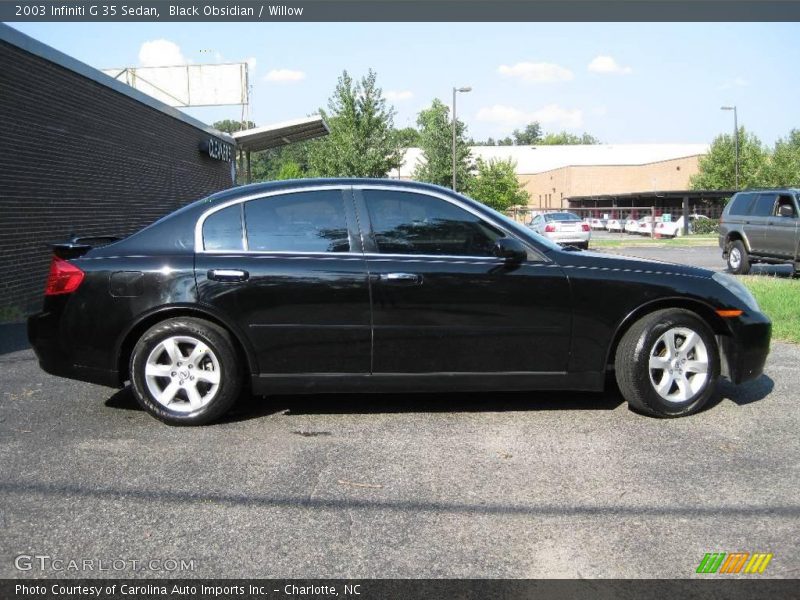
(761, 226)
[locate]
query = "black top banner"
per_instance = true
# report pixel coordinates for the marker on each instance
(403, 10)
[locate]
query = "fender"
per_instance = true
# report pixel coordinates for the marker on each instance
(125, 343)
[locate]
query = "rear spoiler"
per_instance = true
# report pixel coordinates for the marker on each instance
(78, 246)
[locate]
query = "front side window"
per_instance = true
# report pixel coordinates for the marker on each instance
(298, 222)
(222, 230)
(410, 223)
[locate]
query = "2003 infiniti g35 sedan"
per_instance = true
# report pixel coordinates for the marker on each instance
(375, 285)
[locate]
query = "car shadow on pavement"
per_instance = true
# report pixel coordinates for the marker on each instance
(743, 394)
(253, 407)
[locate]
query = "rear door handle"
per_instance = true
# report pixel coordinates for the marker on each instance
(228, 275)
(401, 279)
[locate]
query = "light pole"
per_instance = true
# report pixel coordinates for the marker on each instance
(735, 139)
(464, 89)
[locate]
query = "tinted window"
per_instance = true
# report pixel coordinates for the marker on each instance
(741, 204)
(783, 201)
(764, 205)
(223, 229)
(408, 223)
(300, 222)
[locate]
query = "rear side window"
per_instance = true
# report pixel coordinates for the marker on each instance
(409, 223)
(223, 229)
(764, 205)
(299, 222)
(741, 204)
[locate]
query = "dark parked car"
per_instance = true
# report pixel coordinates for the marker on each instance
(761, 226)
(373, 285)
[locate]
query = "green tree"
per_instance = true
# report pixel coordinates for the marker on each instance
(290, 170)
(565, 138)
(362, 141)
(408, 137)
(530, 136)
(436, 142)
(497, 185)
(717, 168)
(230, 126)
(784, 165)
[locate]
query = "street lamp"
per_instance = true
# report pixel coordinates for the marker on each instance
(464, 90)
(735, 139)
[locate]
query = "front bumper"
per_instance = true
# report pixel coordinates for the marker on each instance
(744, 353)
(57, 359)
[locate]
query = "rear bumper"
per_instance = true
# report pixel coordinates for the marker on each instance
(56, 359)
(744, 354)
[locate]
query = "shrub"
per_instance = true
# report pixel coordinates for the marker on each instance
(705, 226)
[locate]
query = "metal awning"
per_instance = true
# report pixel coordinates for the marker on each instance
(280, 134)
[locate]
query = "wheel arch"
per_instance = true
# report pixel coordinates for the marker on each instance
(701, 309)
(737, 236)
(128, 339)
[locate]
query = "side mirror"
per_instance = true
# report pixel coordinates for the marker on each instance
(511, 250)
(786, 210)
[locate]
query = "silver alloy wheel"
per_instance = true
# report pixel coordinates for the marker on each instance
(735, 259)
(678, 364)
(182, 373)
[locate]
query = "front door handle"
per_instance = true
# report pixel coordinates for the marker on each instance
(401, 279)
(228, 275)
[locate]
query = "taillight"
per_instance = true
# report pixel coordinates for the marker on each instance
(64, 277)
(585, 227)
(550, 228)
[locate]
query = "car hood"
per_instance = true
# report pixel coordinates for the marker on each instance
(589, 259)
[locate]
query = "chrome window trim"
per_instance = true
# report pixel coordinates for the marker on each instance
(200, 246)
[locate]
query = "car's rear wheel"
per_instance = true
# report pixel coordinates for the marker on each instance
(184, 371)
(667, 364)
(738, 260)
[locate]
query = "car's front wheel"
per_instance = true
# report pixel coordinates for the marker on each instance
(184, 371)
(667, 363)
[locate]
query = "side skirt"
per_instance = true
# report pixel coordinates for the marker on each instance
(335, 383)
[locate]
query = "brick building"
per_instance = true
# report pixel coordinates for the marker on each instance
(553, 173)
(83, 154)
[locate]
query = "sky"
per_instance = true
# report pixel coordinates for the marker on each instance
(623, 83)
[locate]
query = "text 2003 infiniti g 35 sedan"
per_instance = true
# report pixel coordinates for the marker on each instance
(375, 285)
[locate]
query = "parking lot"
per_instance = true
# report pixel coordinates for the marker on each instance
(454, 485)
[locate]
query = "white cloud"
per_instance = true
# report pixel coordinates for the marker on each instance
(607, 64)
(551, 114)
(536, 72)
(398, 95)
(284, 76)
(160, 53)
(736, 82)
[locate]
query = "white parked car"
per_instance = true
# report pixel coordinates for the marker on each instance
(631, 226)
(563, 228)
(646, 225)
(675, 228)
(615, 225)
(597, 223)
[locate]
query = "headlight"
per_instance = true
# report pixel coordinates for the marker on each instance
(738, 289)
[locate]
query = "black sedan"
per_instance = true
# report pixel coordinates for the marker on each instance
(350, 285)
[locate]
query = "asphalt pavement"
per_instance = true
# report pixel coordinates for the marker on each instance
(454, 485)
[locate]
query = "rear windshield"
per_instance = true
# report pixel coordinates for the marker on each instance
(562, 217)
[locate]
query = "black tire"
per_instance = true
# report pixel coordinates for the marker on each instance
(216, 360)
(636, 379)
(738, 259)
